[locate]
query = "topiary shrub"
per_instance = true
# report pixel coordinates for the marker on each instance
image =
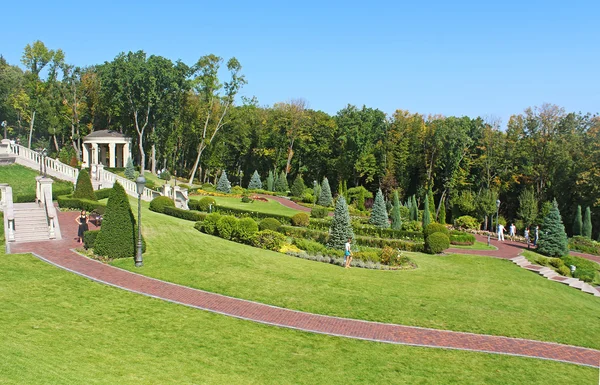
(415, 226)
(237, 190)
(436, 243)
(298, 187)
(268, 240)
(89, 238)
(319, 212)
(205, 203)
(209, 225)
(435, 228)
(103, 193)
(300, 220)
(270, 181)
(83, 188)
(117, 238)
(269, 224)
(226, 226)
(245, 230)
(158, 204)
(467, 222)
(223, 185)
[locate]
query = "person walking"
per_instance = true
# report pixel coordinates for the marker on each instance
(82, 221)
(512, 231)
(536, 235)
(500, 232)
(526, 234)
(348, 253)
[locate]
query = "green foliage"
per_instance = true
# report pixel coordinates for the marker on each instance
(308, 197)
(577, 222)
(257, 215)
(461, 238)
(103, 193)
(67, 202)
(426, 213)
(414, 209)
(553, 240)
(205, 204)
(311, 247)
(431, 205)
(89, 238)
(341, 228)
(379, 215)
(467, 222)
(436, 243)
(465, 202)
(586, 270)
(544, 211)
(188, 215)
(435, 228)
(270, 181)
(158, 204)
(117, 238)
(584, 245)
(325, 198)
(268, 240)
(209, 225)
(319, 212)
(298, 187)
(281, 184)
(130, 170)
(83, 188)
(442, 214)
(300, 219)
(416, 226)
(357, 196)
(226, 226)
(245, 229)
(396, 217)
(165, 175)
(255, 182)
(223, 185)
(587, 224)
(269, 224)
(238, 190)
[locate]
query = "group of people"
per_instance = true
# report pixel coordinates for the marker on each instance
(512, 232)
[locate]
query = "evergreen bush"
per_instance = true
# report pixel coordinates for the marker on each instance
(426, 213)
(300, 220)
(319, 212)
(129, 170)
(341, 227)
(325, 198)
(435, 228)
(298, 187)
(117, 238)
(209, 225)
(268, 240)
(205, 204)
(436, 243)
(431, 204)
(587, 224)
(414, 209)
(158, 204)
(442, 214)
(269, 224)
(553, 240)
(396, 217)
(316, 190)
(467, 222)
(281, 184)
(226, 226)
(83, 188)
(379, 215)
(224, 185)
(577, 222)
(245, 230)
(255, 182)
(165, 175)
(270, 181)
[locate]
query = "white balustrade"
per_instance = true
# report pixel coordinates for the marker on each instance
(9, 214)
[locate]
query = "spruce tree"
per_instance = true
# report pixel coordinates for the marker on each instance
(298, 187)
(316, 191)
(577, 222)
(255, 182)
(325, 198)
(553, 240)
(281, 184)
(426, 212)
(587, 224)
(431, 204)
(83, 187)
(270, 181)
(129, 170)
(341, 227)
(379, 216)
(396, 219)
(223, 184)
(118, 236)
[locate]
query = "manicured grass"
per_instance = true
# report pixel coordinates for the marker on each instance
(270, 207)
(476, 246)
(59, 328)
(22, 180)
(457, 292)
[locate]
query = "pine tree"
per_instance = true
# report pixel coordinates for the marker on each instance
(255, 182)
(129, 170)
(341, 228)
(83, 187)
(426, 213)
(325, 198)
(281, 184)
(396, 219)
(270, 181)
(414, 209)
(118, 236)
(379, 216)
(431, 204)
(553, 240)
(223, 184)
(316, 190)
(587, 224)
(577, 222)
(298, 187)
(442, 215)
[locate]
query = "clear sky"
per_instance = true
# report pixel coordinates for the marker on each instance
(475, 58)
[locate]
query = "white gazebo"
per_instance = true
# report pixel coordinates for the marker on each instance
(106, 147)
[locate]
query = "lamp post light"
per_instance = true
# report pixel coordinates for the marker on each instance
(44, 154)
(497, 213)
(140, 183)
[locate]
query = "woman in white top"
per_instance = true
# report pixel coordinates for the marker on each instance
(348, 253)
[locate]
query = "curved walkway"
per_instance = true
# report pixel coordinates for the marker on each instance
(59, 253)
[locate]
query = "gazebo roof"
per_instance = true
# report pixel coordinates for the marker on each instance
(105, 134)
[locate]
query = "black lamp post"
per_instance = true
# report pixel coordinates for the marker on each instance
(497, 217)
(140, 183)
(44, 154)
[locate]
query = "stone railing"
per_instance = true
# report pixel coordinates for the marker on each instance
(177, 194)
(6, 204)
(44, 197)
(50, 166)
(108, 178)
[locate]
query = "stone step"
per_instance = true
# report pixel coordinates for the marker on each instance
(550, 274)
(587, 288)
(576, 284)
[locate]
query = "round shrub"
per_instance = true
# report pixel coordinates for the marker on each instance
(435, 228)
(308, 197)
(319, 212)
(245, 230)
(436, 243)
(268, 240)
(209, 225)
(564, 270)
(205, 203)
(158, 204)
(238, 190)
(226, 226)
(165, 175)
(269, 224)
(301, 220)
(467, 222)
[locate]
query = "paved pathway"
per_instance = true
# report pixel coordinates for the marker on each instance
(59, 253)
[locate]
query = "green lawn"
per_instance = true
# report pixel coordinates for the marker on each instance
(270, 207)
(457, 292)
(22, 180)
(476, 246)
(59, 328)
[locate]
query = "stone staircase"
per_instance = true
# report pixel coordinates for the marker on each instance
(30, 223)
(554, 276)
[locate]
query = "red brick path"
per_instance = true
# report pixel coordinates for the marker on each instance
(58, 253)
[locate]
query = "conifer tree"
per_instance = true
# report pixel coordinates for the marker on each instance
(129, 169)
(223, 184)
(83, 187)
(316, 190)
(431, 204)
(270, 181)
(587, 224)
(341, 228)
(577, 222)
(298, 186)
(414, 209)
(281, 184)
(553, 240)
(396, 219)
(426, 212)
(379, 215)
(117, 237)
(255, 182)
(442, 214)
(325, 198)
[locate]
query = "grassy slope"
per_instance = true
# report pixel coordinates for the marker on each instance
(22, 179)
(458, 292)
(58, 328)
(270, 207)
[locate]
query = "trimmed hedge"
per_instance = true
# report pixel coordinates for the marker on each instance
(245, 230)
(435, 228)
(269, 224)
(89, 238)
(249, 213)
(83, 188)
(268, 240)
(103, 193)
(319, 212)
(300, 220)
(461, 238)
(189, 215)
(226, 226)
(467, 222)
(368, 230)
(159, 204)
(209, 225)
(584, 245)
(205, 203)
(68, 202)
(57, 191)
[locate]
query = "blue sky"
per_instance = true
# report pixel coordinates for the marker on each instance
(452, 58)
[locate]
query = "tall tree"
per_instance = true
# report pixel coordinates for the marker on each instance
(553, 238)
(578, 222)
(587, 224)
(528, 207)
(396, 218)
(379, 216)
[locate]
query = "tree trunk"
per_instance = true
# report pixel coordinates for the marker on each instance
(142, 155)
(31, 128)
(197, 162)
(55, 143)
(154, 158)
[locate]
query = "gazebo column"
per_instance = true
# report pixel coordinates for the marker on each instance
(125, 153)
(86, 155)
(112, 155)
(95, 154)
